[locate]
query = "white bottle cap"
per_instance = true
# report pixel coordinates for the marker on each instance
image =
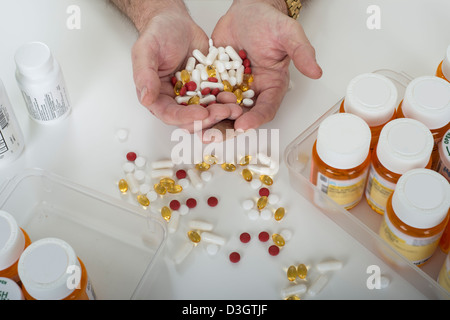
(34, 59)
(427, 99)
(372, 97)
(10, 290)
(421, 198)
(446, 64)
(12, 240)
(47, 268)
(404, 144)
(343, 140)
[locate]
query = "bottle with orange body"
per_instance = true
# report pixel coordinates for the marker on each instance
(372, 97)
(416, 214)
(13, 241)
(341, 158)
(50, 270)
(427, 99)
(444, 275)
(404, 144)
(443, 69)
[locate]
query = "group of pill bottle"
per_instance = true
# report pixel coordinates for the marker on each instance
(46, 269)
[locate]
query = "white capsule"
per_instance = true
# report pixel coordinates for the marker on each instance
(260, 169)
(294, 290)
(178, 75)
(190, 64)
(232, 73)
(208, 99)
(199, 56)
(213, 238)
(286, 234)
(318, 285)
(128, 167)
(232, 81)
(220, 67)
(250, 93)
(210, 42)
(224, 75)
(329, 265)
(273, 198)
(239, 75)
(255, 183)
(247, 102)
(253, 214)
(182, 99)
(133, 184)
(206, 176)
(213, 52)
(200, 225)
(248, 204)
(152, 195)
(212, 85)
(195, 178)
(183, 209)
(162, 164)
(172, 226)
(190, 94)
(140, 162)
(212, 249)
(183, 252)
(264, 159)
(227, 64)
(236, 64)
(233, 54)
(158, 173)
(223, 57)
(144, 188)
(195, 76)
(184, 183)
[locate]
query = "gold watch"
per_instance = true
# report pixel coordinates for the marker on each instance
(294, 7)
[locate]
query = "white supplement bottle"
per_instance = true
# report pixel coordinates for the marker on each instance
(41, 81)
(11, 137)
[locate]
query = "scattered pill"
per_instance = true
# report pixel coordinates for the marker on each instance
(263, 236)
(248, 204)
(264, 192)
(266, 214)
(261, 203)
(166, 213)
(131, 156)
(122, 135)
(162, 164)
(128, 167)
(253, 214)
(144, 188)
(255, 184)
(172, 226)
(140, 162)
(203, 166)
(245, 237)
(200, 225)
(152, 195)
(279, 213)
(184, 183)
(159, 189)
(139, 175)
(158, 173)
(291, 273)
(143, 200)
(183, 252)
(183, 210)
(191, 203)
(234, 257)
(123, 185)
(273, 198)
(293, 291)
(265, 179)
(286, 234)
(318, 285)
(274, 250)
(213, 238)
(133, 184)
(212, 201)
(194, 236)
(174, 204)
(229, 167)
(195, 178)
(302, 271)
(278, 240)
(247, 175)
(206, 176)
(212, 249)
(176, 188)
(329, 265)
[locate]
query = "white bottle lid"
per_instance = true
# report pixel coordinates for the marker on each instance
(10, 290)
(427, 99)
(446, 64)
(343, 140)
(373, 97)
(34, 59)
(12, 240)
(421, 198)
(404, 144)
(47, 268)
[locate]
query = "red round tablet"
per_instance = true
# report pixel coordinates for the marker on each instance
(235, 257)
(181, 174)
(131, 156)
(263, 236)
(245, 237)
(191, 203)
(264, 192)
(174, 204)
(274, 250)
(212, 201)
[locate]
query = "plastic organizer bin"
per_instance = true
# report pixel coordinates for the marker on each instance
(118, 244)
(361, 222)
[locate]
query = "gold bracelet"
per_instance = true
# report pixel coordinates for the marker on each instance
(294, 7)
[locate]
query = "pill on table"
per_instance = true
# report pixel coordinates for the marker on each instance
(329, 265)
(172, 226)
(263, 236)
(213, 238)
(212, 249)
(264, 192)
(158, 173)
(206, 176)
(133, 184)
(152, 195)
(253, 214)
(194, 236)
(273, 198)
(302, 271)
(180, 174)
(128, 167)
(318, 285)
(255, 184)
(162, 164)
(174, 204)
(234, 257)
(195, 178)
(266, 214)
(200, 225)
(184, 183)
(248, 204)
(274, 250)
(183, 210)
(212, 201)
(122, 135)
(245, 237)
(286, 234)
(144, 188)
(139, 175)
(140, 162)
(294, 290)
(191, 203)
(123, 185)
(291, 273)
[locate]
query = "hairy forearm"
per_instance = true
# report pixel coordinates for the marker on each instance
(140, 11)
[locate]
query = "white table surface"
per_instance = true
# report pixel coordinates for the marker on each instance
(83, 148)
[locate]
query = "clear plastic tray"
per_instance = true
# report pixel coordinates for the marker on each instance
(118, 244)
(360, 222)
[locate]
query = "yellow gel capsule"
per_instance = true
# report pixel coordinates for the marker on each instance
(228, 167)
(302, 271)
(123, 185)
(143, 200)
(166, 213)
(185, 77)
(266, 179)
(244, 86)
(261, 203)
(279, 213)
(159, 189)
(227, 86)
(278, 240)
(245, 160)
(210, 159)
(167, 182)
(238, 94)
(177, 87)
(176, 188)
(294, 297)
(202, 166)
(211, 71)
(291, 273)
(248, 78)
(194, 236)
(194, 100)
(247, 174)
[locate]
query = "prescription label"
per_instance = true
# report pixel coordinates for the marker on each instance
(346, 193)
(417, 250)
(9, 138)
(378, 191)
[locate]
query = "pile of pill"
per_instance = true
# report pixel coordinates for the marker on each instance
(222, 76)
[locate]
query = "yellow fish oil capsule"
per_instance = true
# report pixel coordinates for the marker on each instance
(194, 100)
(177, 87)
(245, 160)
(176, 188)
(227, 86)
(159, 189)
(123, 185)
(194, 236)
(238, 94)
(185, 77)
(228, 167)
(261, 203)
(248, 78)
(167, 182)
(244, 86)
(267, 180)
(293, 297)
(302, 271)
(210, 159)
(202, 166)
(291, 273)
(211, 70)
(279, 213)
(166, 213)
(143, 200)
(278, 240)
(247, 174)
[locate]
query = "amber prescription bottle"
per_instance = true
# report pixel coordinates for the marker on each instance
(13, 241)
(404, 144)
(444, 275)
(50, 270)
(372, 97)
(341, 157)
(443, 69)
(443, 166)
(10, 290)
(427, 99)
(416, 214)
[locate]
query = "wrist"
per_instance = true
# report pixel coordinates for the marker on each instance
(280, 5)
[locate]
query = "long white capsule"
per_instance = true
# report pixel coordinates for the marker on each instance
(247, 102)
(260, 169)
(236, 64)
(224, 75)
(329, 265)
(157, 173)
(213, 238)
(233, 54)
(195, 178)
(207, 99)
(212, 85)
(162, 164)
(195, 76)
(250, 93)
(212, 55)
(294, 290)
(200, 225)
(133, 184)
(219, 66)
(239, 75)
(190, 64)
(199, 56)
(181, 99)
(318, 285)
(172, 226)
(183, 252)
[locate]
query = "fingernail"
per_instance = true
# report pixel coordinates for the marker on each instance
(142, 94)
